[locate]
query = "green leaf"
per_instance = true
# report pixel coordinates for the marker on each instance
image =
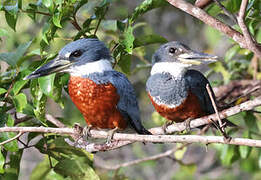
(233, 5)
(146, 6)
(3, 32)
(213, 36)
(57, 20)
(218, 67)
(20, 102)
(259, 159)
(18, 86)
(180, 153)
(125, 63)
(128, 40)
(2, 161)
(227, 154)
(13, 57)
(77, 168)
(46, 84)
(59, 146)
(188, 168)
(2, 91)
(47, 3)
(244, 151)
(232, 52)
(15, 159)
(250, 121)
(157, 118)
(39, 101)
(11, 14)
(43, 171)
(11, 146)
(148, 39)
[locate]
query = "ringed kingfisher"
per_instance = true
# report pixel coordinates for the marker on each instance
(104, 96)
(177, 92)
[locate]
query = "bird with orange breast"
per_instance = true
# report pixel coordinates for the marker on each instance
(104, 96)
(177, 92)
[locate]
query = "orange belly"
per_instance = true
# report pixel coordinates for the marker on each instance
(97, 103)
(189, 108)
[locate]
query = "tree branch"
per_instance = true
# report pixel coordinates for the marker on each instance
(12, 139)
(251, 44)
(121, 139)
(102, 164)
(211, 21)
(142, 138)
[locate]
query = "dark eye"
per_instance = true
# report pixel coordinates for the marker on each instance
(172, 50)
(76, 53)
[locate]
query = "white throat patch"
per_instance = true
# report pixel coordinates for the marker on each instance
(175, 69)
(91, 67)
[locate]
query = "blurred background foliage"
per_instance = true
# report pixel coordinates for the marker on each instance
(32, 32)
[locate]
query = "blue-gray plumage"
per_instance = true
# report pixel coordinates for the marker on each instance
(105, 97)
(177, 92)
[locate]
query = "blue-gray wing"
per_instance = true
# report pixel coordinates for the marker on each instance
(197, 83)
(127, 104)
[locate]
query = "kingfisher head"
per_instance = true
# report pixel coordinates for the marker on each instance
(78, 58)
(174, 57)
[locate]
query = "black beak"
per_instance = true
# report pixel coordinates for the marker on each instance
(56, 65)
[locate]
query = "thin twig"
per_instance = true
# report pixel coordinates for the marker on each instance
(224, 9)
(213, 22)
(222, 127)
(97, 27)
(250, 42)
(75, 24)
(54, 121)
(12, 139)
(101, 164)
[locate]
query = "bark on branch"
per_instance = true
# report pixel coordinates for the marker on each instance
(211, 21)
(121, 139)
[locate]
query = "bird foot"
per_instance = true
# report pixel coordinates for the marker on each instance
(86, 132)
(110, 135)
(187, 124)
(165, 126)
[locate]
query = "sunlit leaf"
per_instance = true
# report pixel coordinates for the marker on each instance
(18, 86)
(20, 102)
(157, 118)
(57, 20)
(180, 152)
(145, 6)
(46, 84)
(2, 161)
(128, 39)
(3, 32)
(2, 91)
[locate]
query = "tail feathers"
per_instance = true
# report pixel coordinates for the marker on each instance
(229, 123)
(144, 131)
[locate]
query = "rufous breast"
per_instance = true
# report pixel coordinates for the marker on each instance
(189, 109)
(97, 103)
